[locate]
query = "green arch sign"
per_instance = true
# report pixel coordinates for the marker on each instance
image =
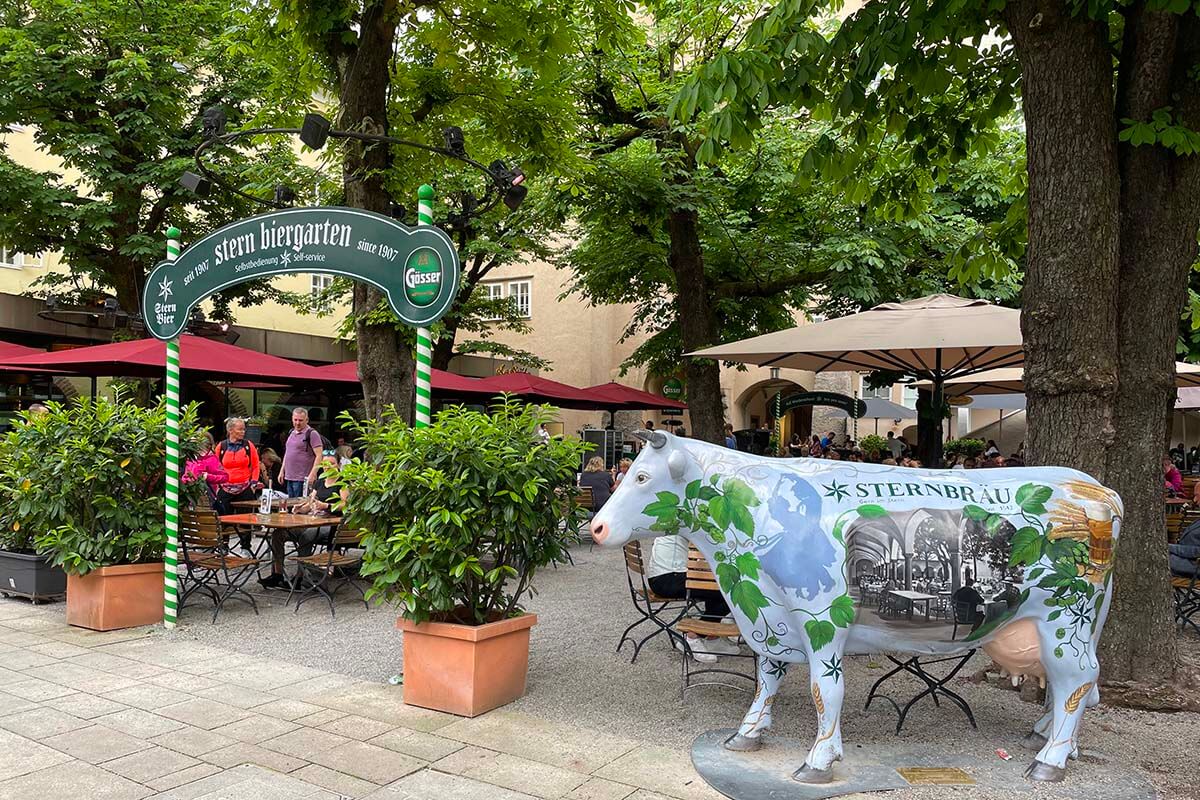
(417, 269)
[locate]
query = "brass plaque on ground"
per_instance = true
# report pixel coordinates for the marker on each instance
(935, 776)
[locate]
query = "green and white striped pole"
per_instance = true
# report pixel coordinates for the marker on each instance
(424, 385)
(171, 556)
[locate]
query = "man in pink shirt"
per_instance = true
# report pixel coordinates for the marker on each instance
(301, 455)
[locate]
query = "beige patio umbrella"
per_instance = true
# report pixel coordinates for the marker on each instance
(1010, 380)
(934, 338)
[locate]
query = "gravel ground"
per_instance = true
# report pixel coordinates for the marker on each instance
(575, 677)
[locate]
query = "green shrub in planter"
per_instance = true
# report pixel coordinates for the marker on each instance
(86, 480)
(970, 448)
(462, 514)
(873, 446)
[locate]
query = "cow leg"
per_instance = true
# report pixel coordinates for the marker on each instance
(1036, 738)
(1071, 686)
(827, 693)
(758, 718)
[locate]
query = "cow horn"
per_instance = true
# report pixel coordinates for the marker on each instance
(655, 439)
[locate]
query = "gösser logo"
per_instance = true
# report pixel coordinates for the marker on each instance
(423, 277)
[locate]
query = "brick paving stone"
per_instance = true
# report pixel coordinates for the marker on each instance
(183, 776)
(138, 723)
(288, 709)
(11, 704)
(511, 772)
(149, 764)
(41, 723)
(313, 689)
(21, 755)
(662, 770)
(235, 695)
(256, 728)
(82, 679)
(115, 664)
(242, 753)
(84, 706)
(384, 703)
(76, 781)
(337, 782)
(59, 649)
(22, 638)
(182, 681)
(356, 727)
(37, 690)
(96, 744)
(600, 789)
(24, 659)
(193, 741)
(366, 761)
(425, 746)
(430, 785)
(552, 743)
(203, 713)
(148, 697)
(305, 743)
(322, 717)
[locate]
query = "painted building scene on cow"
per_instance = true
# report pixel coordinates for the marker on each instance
(823, 559)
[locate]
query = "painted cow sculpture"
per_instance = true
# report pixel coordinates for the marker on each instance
(784, 537)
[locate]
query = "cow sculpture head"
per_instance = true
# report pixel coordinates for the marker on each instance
(664, 466)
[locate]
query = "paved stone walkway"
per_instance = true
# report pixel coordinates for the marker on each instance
(129, 715)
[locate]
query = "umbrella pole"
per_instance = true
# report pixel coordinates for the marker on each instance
(424, 382)
(171, 554)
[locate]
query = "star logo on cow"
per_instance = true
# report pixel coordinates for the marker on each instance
(836, 490)
(164, 289)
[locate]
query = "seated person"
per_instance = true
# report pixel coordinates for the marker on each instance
(1172, 479)
(622, 470)
(596, 478)
(1183, 554)
(325, 497)
(667, 575)
(967, 593)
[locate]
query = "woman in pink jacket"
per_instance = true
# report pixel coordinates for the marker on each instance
(207, 467)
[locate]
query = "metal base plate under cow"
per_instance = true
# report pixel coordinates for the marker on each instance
(766, 774)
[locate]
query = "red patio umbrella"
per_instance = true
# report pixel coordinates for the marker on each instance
(535, 389)
(9, 350)
(631, 398)
(443, 382)
(147, 358)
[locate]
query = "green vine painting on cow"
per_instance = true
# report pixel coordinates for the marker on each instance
(721, 509)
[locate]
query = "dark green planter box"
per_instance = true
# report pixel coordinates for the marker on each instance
(28, 575)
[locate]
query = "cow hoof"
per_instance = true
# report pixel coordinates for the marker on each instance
(743, 744)
(1033, 741)
(807, 774)
(1041, 771)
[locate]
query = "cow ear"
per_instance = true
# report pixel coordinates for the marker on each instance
(677, 464)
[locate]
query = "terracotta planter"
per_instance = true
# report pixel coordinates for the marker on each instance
(465, 669)
(116, 597)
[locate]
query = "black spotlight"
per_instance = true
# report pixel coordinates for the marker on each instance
(196, 184)
(213, 121)
(315, 131)
(284, 195)
(455, 141)
(397, 212)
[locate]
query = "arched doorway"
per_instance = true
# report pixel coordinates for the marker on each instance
(754, 406)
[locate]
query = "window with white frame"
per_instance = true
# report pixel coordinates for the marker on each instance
(521, 293)
(320, 283)
(882, 393)
(910, 396)
(492, 291)
(15, 260)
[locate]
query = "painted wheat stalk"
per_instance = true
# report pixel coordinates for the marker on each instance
(817, 701)
(1088, 491)
(1076, 698)
(1069, 519)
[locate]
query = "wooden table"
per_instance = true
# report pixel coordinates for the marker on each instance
(253, 504)
(273, 527)
(914, 597)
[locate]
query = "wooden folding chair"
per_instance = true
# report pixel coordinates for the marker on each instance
(324, 574)
(650, 607)
(700, 577)
(206, 560)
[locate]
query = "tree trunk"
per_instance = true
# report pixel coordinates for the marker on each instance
(385, 365)
(697, 327)
(1159, 219)
(1069, 300)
